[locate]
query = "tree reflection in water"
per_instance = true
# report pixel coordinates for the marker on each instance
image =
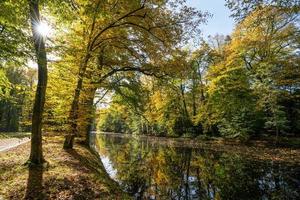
(148, 170)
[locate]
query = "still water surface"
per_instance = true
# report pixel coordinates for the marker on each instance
(147, 169)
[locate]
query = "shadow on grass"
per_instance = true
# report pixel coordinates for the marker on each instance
(34, 188)
(94, 164)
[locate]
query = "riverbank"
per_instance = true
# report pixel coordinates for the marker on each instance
(75, 174)
(287, 150)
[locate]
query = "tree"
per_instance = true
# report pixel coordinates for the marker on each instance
(242, 8)
(266, 40)
(142, 26)
(14, 52)
(36, 152)
(16, 91)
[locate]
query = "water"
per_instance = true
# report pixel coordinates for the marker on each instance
(148, 169)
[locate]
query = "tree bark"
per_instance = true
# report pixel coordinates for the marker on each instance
(183, 101)
(73, 117)
(91, 115)
(36, 153)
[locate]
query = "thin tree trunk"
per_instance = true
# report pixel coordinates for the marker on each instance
(194, 103)
(8, 119)
(202, 97)
(194, 86)
(73, 117)
(183, 101)
(36, 153)
(91, 115)
(186, 114)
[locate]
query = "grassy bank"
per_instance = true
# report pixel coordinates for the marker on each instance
(75, 174)
(5, 135)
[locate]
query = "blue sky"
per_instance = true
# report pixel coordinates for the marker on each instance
(220, 22)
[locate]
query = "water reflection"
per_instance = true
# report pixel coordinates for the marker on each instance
(148, 170)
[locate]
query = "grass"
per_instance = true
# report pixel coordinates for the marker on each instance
(14, 135)
(75, 174)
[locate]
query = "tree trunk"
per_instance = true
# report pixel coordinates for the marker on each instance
(8, 119)
(183, 101)
(194, 104)
(69, 141)
(36, 153)
(91, 115)
(73, 117)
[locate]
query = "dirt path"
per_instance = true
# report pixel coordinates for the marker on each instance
(6, 144)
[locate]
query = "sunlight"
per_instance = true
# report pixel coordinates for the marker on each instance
(43, 29)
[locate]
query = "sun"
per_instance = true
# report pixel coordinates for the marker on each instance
(43, 29)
